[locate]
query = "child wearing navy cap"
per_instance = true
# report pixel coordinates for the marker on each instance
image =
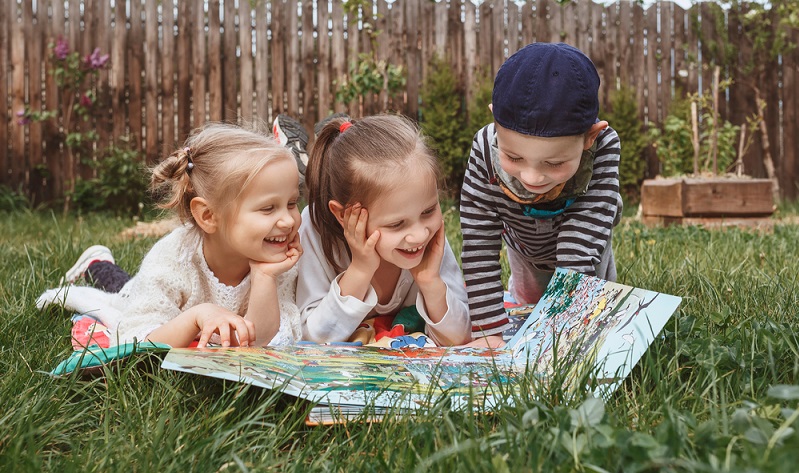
(543, 178)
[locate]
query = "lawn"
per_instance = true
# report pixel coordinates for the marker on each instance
(718, 392)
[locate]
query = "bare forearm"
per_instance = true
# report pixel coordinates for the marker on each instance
(180, 331)
(434, 293)
(264, 309)
(355, 282)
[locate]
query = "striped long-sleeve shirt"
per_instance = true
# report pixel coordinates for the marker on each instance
(574, 239)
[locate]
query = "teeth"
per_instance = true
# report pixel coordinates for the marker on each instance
(413, 250)
(277, 239)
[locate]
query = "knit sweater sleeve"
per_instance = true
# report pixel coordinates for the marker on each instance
(159, 291)
(482, 241)
(586, 229)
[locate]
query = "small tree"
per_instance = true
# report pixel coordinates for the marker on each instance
(443, 120)
(623, 117)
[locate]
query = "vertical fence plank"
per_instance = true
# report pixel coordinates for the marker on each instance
(151, 81)
(413, 57)
(325, 102)
(470, 49)
(638, 56)
(790, 122)
(692, 48)
(527, 20)
(583, 25)
(119, 59)
(596, 49)
(184, 61)
(365, 41)
(278, 56)
(324, 81)
(625, 41)
(383, 21)
(135, 62)
(261, 62)
(35, 168)
(200, 67)
(215, 90)
(610, 49)
(229, 68)
(427, 37)
(542, 25)
(571, 31)
(353, 49)
(309, 115)
(666, 54)
(680, 44)
(54, 150)
(556, 29)
(513, 27)
(484, 36)
(292, 59)
(105, 112)
(18, 99)
(168, 57)
(651, 70)
(246, 73)
(5, 117)
(498, 35)
(339, 61)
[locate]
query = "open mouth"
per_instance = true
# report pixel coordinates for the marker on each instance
(278, 240)
(411, 251)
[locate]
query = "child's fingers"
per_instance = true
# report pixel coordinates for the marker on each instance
(250, 331)
(205, 335)
(360, 225)
(243, 331)
(373, 238)
(224, 334)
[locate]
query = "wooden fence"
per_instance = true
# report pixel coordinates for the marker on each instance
(176, 63)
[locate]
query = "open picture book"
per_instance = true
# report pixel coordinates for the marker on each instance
(599, 326)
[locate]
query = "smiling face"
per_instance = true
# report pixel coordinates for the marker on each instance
(265, 216)
(407, 218)
(540, 164)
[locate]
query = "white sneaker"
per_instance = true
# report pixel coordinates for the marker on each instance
(92, 254)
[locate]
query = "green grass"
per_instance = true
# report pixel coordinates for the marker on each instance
(717, 393)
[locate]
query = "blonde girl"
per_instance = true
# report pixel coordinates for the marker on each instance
(374, 234)
(228, 271)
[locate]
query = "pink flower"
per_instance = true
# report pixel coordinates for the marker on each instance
(85, 100)
(61, 49)
(94, 60)
(23, 119)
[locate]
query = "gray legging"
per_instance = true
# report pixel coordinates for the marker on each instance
(528, 283)
(106, 276)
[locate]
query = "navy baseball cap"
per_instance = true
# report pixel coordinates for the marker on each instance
(547, 89)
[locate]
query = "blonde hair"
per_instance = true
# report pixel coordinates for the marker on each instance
(216, 162)
(360, 164)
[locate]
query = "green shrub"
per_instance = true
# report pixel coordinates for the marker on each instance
(120, 185)
(442, 120)
(479, 113)
(673, 141)
(623, 117)
(11, 200)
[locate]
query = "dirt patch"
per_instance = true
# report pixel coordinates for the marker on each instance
(149, 229)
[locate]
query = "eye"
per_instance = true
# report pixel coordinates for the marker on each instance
(395, 224)
(267, 209)
(429, 211)
(292, 204)
(554, 165)
(512, 159)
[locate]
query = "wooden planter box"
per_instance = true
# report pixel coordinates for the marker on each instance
(711, 202)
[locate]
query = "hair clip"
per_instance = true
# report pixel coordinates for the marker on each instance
(190, 164)
(344, 126)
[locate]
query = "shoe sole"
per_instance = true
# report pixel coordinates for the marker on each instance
(86, 258)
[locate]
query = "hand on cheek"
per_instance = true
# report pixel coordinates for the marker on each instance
(429, 268)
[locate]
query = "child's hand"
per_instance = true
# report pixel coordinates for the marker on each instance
(364, 254)
(274, 270)
(429, 269)
(221, 321)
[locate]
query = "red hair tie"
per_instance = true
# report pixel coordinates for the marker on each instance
(344, 126)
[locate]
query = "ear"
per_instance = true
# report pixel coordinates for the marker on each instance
(491, 107)
(337, 210)
(204, 215)
(591, 135)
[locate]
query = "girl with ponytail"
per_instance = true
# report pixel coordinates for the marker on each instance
(373, 234)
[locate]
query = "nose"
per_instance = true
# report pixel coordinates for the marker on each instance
(418, 234)
(532, 177)
(286, 220)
